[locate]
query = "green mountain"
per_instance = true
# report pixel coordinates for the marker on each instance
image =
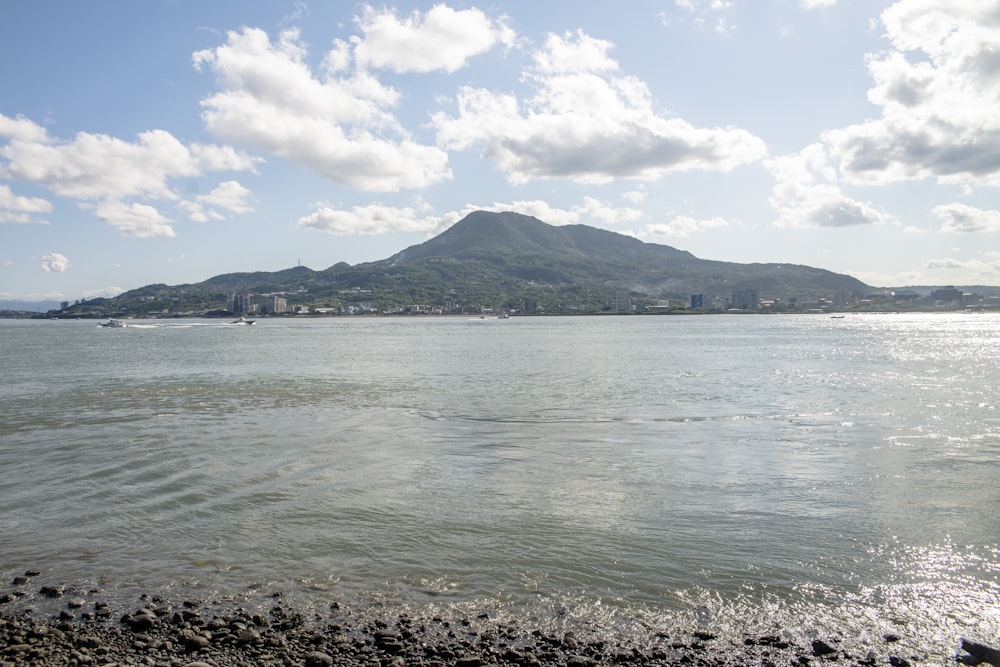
(498, 260)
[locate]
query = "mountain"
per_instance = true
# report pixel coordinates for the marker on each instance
(519, 247)
(499, 260)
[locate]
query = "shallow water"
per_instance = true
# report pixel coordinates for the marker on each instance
(730, 472)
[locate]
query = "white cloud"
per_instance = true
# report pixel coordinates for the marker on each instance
(682, 226)
(341, 128)
(230, 196)
(635, 196)
(371, 219)
(938, 89)
(378, 219)
(587, 123)
(807, 194)
(441, 39)
(813, 4)
(54, 263)
(134, 219)
(962, 218)
(12, 202)
(21, 210)
(22, 129)
(106, 292)
(574, 55)
(969, 266)
(109, 170)
(608, 215)
(589, 211)
(98, 166)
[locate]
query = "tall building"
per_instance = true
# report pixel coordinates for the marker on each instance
(745, 299)
(277, 304)
(947, 294)
(622, 300)
(697, 301)
(238, 303)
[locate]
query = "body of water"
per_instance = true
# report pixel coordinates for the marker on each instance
(736, 473)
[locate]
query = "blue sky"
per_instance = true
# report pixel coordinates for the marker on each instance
(168, 141)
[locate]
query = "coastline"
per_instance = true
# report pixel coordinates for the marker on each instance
(54, 624)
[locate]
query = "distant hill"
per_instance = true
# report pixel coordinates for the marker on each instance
(28, 306)
(524, 248)
(500, 260)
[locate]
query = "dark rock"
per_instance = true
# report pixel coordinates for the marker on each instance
(52, 591)
(392, 646)
(821, 648)
(319, 659)
(248, 636)
(896, 661)
(140, 621)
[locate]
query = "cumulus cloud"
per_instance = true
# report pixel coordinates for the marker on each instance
(807, 193)
(109, 170)
(17, 209)
(938, 89)
(441, 39)
(229, 196)
(590, 210)
(370, 219)
(134, 219)
(379, 219)
(962, 218)
(107, 292)
(587, 123)
(813, 4)
(54, 263)
(682, 226)
(340, 126)
(970, 266)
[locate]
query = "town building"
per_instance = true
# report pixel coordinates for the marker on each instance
(622, 300)
(745, 299)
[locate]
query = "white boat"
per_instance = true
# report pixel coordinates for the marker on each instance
(114, 324)
(242, 320)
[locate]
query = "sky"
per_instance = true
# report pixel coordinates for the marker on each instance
(169, 141)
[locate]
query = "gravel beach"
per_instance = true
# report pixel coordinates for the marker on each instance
(52, 624)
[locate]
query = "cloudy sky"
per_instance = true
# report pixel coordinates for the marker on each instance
(168, 141)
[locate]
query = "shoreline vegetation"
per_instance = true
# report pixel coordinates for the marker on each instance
(652, 311)
(55, 624)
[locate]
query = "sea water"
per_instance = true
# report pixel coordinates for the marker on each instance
(739, 473)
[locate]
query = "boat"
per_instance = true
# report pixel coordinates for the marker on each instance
(114, 324)
(503, 316)
(242, 320)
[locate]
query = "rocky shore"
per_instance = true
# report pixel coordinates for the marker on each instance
(62, 625)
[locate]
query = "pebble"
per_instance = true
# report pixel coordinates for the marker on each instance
(155, 635)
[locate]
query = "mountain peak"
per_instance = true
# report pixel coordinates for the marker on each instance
(510, 234)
